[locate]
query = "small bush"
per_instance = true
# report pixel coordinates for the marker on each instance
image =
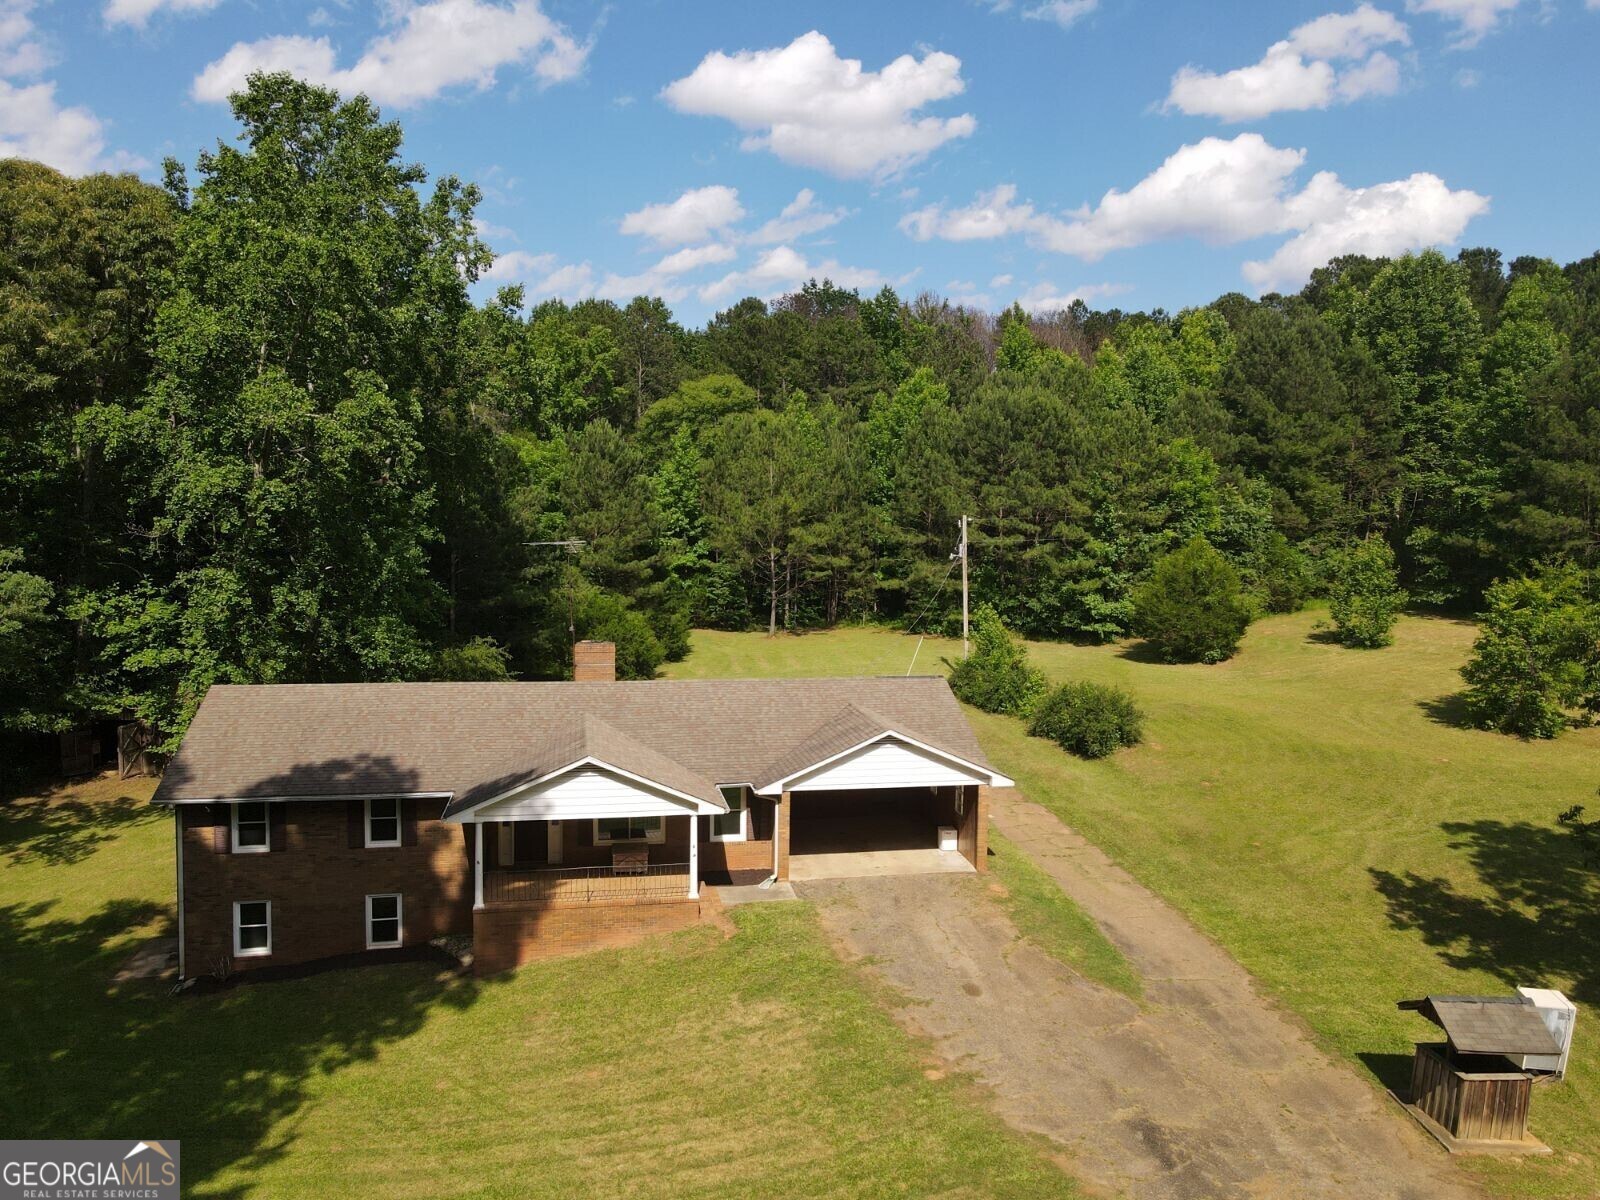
(1364, 594)
(481, 660)
(996, 676)
(1192, 608)
(1089, 719)
(1535, 667)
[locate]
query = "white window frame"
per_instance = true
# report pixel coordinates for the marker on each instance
(653, 837)
(399, 921)
(743, 832)
(368, 840)
(265, 823)
(258, 951)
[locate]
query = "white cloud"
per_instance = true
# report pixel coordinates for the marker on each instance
(1045, 298)
(782, 269)
(33, 123)
(811, 107)
(1298, 73)
(1473, 18)
(138, 12)
(692, 217)
(22, 52)
(1215, 190)
(664, 278)
(1065, 13)
(1225, 192)
(800, 218)
(1382, 220)
(1000, 281)
(517, 264)
(1467, 78)
(431, 47)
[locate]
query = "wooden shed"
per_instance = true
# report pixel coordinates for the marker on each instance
(1470, 1091)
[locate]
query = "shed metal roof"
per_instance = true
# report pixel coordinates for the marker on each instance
(1488, 1024)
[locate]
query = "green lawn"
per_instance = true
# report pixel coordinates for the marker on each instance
(1321, 813)
(694, 1065)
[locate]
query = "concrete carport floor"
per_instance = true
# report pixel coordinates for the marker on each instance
(856, 835)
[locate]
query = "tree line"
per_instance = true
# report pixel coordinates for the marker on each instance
(257, 430)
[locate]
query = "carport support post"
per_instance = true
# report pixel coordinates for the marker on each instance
(780, 837)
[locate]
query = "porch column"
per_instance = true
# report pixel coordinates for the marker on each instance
(694, 857)
(477, 865)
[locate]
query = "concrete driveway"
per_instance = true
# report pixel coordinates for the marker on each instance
(1202, 1089)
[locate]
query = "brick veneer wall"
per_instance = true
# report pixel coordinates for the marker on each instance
(504, 938)
(318, 882)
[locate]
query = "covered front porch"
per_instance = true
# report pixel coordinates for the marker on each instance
(579, 860)
(584, 861)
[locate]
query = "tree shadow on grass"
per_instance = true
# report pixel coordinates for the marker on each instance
(1141, 651)
(221, 1072)
(1448, 710)
(1536, 920)
(39, 829)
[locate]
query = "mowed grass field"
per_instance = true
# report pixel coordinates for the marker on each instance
(1322, 813)
(698, 1064)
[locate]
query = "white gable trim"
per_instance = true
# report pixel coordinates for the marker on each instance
(970, 772)
(579, 790)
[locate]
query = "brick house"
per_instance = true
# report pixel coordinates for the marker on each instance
(323, 820)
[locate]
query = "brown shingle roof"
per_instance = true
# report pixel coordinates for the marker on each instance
(476, 740)
(1488, 1024)
(846, 727)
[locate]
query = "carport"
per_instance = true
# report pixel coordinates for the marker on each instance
(863, 798)
(838, 834)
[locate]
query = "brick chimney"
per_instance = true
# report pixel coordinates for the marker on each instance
(594, 662)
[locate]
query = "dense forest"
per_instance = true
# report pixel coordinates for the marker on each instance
(257, 429)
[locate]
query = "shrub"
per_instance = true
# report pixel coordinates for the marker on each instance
(1192, 609)
(481, 660)
(1364, 593)
(1090, 719)
(607, 617)
(996, 676)
(1278, 577)
(1535, 667)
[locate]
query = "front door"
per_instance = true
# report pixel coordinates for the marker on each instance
(532, 841)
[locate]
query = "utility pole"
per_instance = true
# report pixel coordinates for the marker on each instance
(966, 649)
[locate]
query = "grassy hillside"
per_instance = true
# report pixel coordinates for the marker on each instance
(1321, 812)
(694, 1065)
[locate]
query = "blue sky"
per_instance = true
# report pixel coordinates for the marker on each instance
(1131, 152)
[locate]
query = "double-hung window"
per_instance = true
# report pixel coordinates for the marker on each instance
(250, 834)
(383, 822)
(383, 922)
(733, 825)
(252, 928)
(628, 829)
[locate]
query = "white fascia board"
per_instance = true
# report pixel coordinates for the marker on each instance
(776, 787)
(699, 805)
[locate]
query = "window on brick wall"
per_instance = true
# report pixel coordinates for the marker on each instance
(629, 829)
(383, 921)
(733, 825)
(383, 822)
(252, 928)
(250, 828)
